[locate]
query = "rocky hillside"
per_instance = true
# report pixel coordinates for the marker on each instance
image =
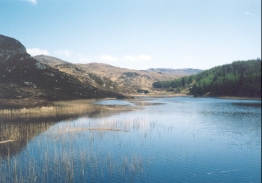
(78, 72)
(51, 61)
(111, 78)
(10, 48)
(23, 77)
(127, 78)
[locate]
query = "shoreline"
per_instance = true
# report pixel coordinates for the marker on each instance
(28, 103)
(31, 103)
(238, 98)
(62, 109)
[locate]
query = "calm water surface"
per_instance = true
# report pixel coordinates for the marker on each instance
(178, 139)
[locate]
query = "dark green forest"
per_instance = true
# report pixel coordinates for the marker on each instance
(241, 78)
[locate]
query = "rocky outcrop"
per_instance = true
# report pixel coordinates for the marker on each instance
(51, 61)
(10, 48)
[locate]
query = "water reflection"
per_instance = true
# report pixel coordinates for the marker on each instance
(181, 140)
(146, 103)
(15, 136)
(73, 152)
(256, 104)
(114, 103)
(19, 126)
(60, 109)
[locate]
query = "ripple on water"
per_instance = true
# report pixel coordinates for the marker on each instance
(181, 140)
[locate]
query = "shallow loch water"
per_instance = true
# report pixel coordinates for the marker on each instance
(178, 139)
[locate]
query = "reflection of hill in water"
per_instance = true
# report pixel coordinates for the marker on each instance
(256, 105)
(18, 127)
(15, 135)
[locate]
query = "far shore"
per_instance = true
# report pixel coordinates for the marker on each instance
(160, 95)
(187, 95)
(31, 103)
(239, 98)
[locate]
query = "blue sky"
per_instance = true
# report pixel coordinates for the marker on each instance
(137, 34)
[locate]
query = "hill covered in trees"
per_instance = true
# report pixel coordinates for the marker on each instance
(241, 78)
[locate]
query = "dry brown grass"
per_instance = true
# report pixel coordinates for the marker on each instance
(6, 141)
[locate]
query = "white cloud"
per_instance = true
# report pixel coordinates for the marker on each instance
(66, 53)
(34, 2)
(143, 57)
(247, 13)
(108, 58)
(140, 57)
(37, 51)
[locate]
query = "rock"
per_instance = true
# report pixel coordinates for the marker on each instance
(10, 48)
(40, 65)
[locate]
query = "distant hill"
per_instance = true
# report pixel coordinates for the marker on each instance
(129, 80)
(23, 77)
(186, 71)
(112, 78)
(241, 78)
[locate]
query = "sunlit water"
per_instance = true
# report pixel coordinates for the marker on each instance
(168, 140)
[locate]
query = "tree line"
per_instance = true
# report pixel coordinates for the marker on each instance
(241, 78)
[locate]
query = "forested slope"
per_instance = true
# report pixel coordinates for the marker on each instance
(241, 78)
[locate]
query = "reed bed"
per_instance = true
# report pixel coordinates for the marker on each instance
(67, 151)
(61, 108)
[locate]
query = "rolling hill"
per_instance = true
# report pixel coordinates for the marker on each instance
(128, 78)
(112, 78)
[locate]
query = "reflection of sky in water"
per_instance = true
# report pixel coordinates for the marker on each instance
(113, 102)
(185, 140)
